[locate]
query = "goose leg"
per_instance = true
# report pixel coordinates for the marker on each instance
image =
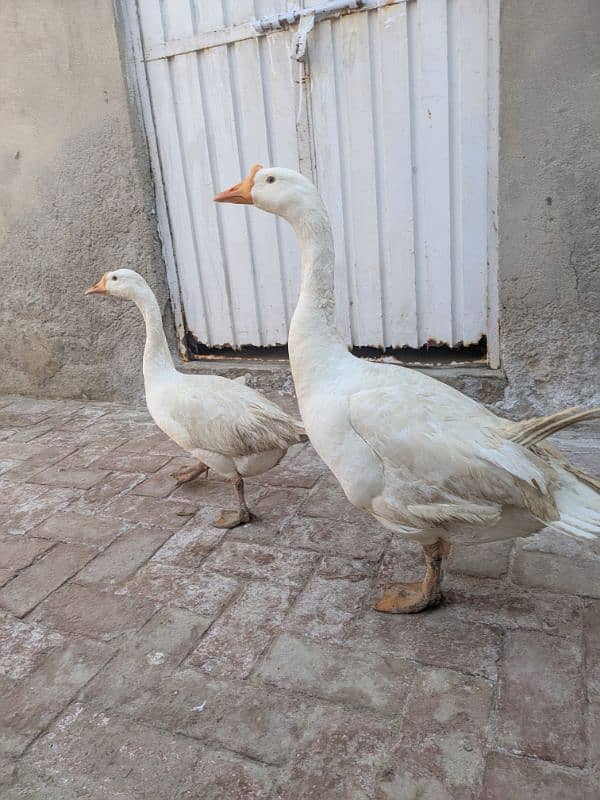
(408, 598)
(189, 473)
(231, 519)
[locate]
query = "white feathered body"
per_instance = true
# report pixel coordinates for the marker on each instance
(228, 426)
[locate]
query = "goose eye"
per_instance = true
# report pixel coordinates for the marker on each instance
(114, 277)
(271, 179)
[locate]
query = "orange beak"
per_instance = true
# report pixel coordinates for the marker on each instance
(98, 288)
(241, 193)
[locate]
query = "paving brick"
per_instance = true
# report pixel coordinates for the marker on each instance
(88, 611)
(243, 631)
(252, 561)
(169, 514)
(75, 478)
(489, 560)
(222, 776)
(440, 732)
(17, 552)
(76, 528)
(124, 556)
(212, 491)
(190, 545)
(262, 724)
(6, 575)
(498, 603)
(162, 482)
(327, 605)
(540, 710)
(130, 462)
(592, 650)
(39, 504)
(450, 643)
(339, 537)
(362, 681)
(127, 760)
(528, 779)
(23, 645)
(338, 757)
(200, 592)
(89, 452)
(298, 470)
(109, 488)
(7, 464)
(35, 454)
(155, 443)
(557, 563)
(30, 587)
(27, 707)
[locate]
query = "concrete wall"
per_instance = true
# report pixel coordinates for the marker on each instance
(549, 201)
(76, 200)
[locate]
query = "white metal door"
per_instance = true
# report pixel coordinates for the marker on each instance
(392, 113)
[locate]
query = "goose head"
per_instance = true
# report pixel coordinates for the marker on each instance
(280, 191)
(125, 284)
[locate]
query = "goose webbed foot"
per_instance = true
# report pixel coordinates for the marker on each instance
(231, 519)
(187, 474)
(409, 598)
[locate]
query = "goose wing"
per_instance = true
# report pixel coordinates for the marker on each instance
(226, 417)
(444, 461)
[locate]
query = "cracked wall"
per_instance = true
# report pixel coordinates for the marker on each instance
(77, 200)
(549, 202)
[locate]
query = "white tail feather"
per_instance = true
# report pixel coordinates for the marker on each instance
(578, 504)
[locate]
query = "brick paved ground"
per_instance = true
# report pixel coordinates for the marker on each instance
(144, 654)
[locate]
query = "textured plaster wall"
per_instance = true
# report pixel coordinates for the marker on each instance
(76, 200)
(549, 202)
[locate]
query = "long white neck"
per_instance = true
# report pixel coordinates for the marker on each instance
(157, 357)
(315, 343)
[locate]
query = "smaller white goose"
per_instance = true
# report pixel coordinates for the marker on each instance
(226, 425)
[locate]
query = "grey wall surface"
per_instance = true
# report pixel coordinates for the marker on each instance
(76, 200)
(549, 201)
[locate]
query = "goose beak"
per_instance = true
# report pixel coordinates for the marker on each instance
(241, 193)
(98, 288)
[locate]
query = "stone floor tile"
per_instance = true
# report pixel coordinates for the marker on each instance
(489, 560)
(223, 776)
(190, 545)
(124, 556)
(261, 724)
(592, 650)
(124, 758)
(6, 575)
(338, 757)
(17, 552)
(7, 464)
(540, 710)
(293, 471)
(35, 583)
(242, 633)
(156, 443)
(360, 681)
(255, 562)
(556, 563)
(162, 483)
(28, 706)
(212, 491)
(450, 643)
(339, 537)
(169, 514)
(499, 603)
(529, 779)
(69, 478)
(76, 528)
(440, 732)
(201, 592)
(37, 505)
(23, 645)
(108, 489)
(327, 605)
(88, 611)
(119, 461)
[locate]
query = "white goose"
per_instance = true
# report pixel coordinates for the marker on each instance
(427, 462)
(226, 425)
